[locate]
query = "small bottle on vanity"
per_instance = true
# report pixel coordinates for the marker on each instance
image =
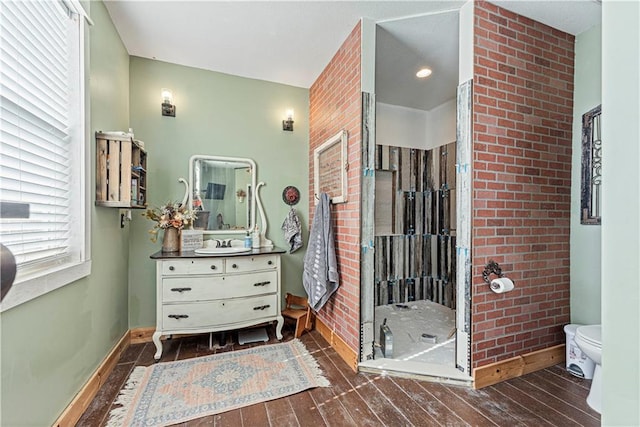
(255, 240)
(248, 241)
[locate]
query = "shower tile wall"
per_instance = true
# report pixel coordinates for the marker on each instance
(415, 221)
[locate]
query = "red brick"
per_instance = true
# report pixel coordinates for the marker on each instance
(524, 73)
(335, 104)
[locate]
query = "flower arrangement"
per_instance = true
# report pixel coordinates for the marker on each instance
(172, 214)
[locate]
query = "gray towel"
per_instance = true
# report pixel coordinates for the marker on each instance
(292, 231)
(320, 275)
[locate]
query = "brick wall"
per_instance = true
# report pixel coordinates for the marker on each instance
(522, 119)
(335, 104)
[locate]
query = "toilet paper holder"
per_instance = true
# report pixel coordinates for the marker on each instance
(491, 268)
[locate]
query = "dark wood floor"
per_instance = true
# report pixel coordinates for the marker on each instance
(550, 397)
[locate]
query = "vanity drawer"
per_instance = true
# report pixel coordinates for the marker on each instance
(218, 313)
(185, 289)
(251, 263)
(192, 266)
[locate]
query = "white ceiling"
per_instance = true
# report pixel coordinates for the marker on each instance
(570, 16)
(405, 46)
(291, 42)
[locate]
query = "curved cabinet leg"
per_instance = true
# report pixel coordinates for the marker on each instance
(279, 327)
(158, 343)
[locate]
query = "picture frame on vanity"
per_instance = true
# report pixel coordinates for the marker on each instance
(190, 240)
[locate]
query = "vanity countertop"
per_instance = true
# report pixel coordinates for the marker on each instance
(192, 254)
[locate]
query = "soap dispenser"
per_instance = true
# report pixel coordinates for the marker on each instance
(248, 241)
(255, 241)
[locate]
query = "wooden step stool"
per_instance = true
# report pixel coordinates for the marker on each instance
(297, 308)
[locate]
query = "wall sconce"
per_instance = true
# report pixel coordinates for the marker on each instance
(168, 109)
(288, 123)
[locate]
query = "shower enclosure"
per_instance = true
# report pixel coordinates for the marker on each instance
(415, 260)
(415, 198)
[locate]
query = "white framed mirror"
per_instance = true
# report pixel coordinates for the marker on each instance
(222, 192)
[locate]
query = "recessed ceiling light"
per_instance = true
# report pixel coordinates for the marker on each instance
(424, 72)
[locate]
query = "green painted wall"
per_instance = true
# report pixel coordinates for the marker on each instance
(585, 239)
(52, 345)
(216, 114)
(621, 213)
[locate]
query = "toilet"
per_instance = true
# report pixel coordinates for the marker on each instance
(589, 339)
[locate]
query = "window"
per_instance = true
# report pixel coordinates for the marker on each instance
(44, 219)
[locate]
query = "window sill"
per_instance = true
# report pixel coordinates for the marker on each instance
(33, 287)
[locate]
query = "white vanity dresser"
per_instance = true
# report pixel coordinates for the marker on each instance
(211, 293)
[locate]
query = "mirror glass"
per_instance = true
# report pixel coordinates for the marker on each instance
(222, 193)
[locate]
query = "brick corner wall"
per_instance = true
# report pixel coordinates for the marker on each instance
(335, 103)
(522, 124)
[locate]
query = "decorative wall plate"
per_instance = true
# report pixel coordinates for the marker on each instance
(291, 195)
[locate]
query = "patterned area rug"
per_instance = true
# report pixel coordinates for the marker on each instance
(173, 392)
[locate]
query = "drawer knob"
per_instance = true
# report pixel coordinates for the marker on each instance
(262, 307)
(270, 262)
(180, 289)
(261, 283)
(178, 316)
(171, 268)
(213, 267)
(234, 266)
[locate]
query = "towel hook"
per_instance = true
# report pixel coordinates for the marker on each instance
(318, 198)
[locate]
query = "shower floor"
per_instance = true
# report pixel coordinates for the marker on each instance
(413, 354)
(408, 321)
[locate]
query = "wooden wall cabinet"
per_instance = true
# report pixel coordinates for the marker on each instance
(121, 171)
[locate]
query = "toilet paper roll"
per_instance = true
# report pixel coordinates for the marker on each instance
(501, 285)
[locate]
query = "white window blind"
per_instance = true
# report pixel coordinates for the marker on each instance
(41, 134)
